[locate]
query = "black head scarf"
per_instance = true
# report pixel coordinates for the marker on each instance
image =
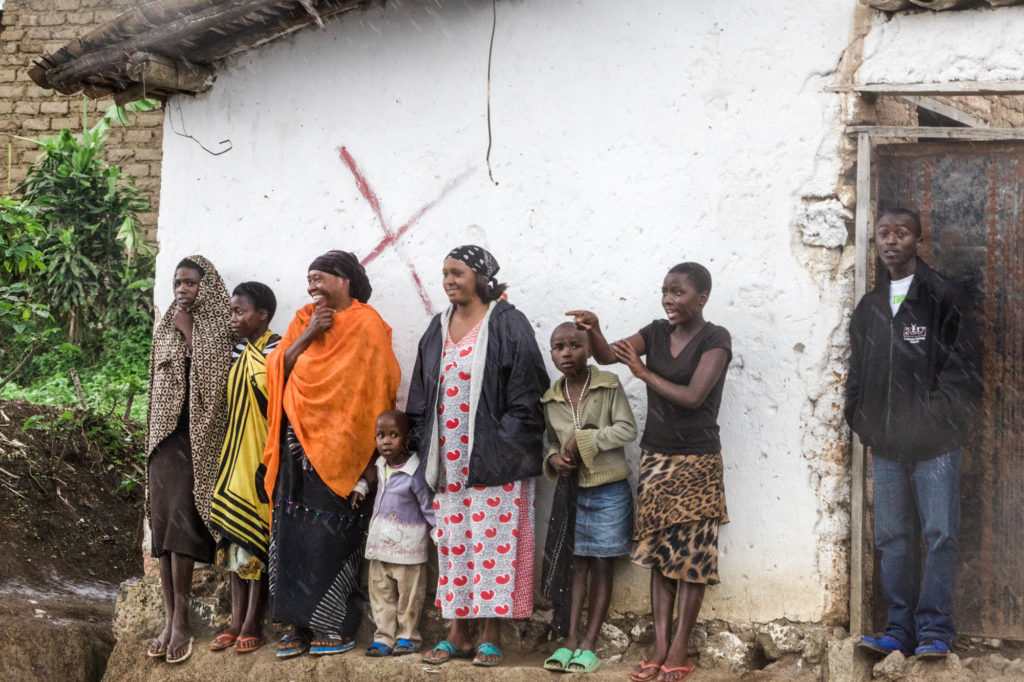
(479, 261)
(346, 265)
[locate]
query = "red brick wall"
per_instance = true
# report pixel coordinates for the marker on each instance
(32, 28)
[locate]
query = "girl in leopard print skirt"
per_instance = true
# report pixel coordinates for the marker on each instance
(680, 496)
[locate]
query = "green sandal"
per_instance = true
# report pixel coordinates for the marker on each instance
(584, 661)
(559, 661)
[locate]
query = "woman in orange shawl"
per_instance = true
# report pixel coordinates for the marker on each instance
(331, 375)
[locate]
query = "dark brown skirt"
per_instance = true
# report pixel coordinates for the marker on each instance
(175, 525)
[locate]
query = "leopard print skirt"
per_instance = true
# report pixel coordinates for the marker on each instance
(680, 505)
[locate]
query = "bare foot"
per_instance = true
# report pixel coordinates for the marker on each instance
(439, 654)
(644, 671)
(179, 644)
(224, 640)
(158, 647)
(488, 653)
(254, 632)
(676, 673)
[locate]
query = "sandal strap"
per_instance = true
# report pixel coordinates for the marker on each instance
(561, 657)
(446, 646)
(488, 649)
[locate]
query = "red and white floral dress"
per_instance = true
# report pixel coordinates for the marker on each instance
(484, 534)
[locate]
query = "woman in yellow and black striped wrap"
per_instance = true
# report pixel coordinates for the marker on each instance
(239, 513)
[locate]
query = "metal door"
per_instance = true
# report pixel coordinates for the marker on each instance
(971, 200)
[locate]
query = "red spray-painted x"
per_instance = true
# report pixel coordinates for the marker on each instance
(391, 236)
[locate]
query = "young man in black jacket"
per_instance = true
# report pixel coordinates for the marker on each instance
(911, 396)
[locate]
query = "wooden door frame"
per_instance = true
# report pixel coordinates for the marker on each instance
(859, 613)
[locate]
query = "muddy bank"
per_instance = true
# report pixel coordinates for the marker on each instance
(70, 532)
(64, 507)
(60, 631)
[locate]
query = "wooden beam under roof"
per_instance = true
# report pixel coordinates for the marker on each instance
(945, 110)
(949, 88)
(939, 5)
(889, 5)
(976, 134)
(897, 5)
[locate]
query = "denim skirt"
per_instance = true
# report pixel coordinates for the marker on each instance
(604, 520)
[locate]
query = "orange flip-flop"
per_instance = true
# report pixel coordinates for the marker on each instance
(688, 668)
(222, 641)
(246, 645)
(644, 677)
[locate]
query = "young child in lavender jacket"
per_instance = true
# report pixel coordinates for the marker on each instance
(396, 545)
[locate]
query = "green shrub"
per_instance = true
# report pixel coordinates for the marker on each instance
(24, 322)
(98, 270)
(110, 367)
(72, 254)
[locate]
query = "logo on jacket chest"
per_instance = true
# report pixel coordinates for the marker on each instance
(915, 333)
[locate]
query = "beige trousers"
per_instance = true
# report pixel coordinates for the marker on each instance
(397, 592)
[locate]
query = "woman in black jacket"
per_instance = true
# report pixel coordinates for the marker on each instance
(474, 402)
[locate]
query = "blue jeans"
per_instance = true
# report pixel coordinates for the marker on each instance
(910, 497)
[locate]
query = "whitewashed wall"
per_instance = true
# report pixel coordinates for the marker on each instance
(938, 47)
(628, 136)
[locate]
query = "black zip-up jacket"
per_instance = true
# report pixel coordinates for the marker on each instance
(914, 380)
(508, 432)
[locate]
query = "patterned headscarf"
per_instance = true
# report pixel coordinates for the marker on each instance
(479, 261)
(346, 265)
(212, 342)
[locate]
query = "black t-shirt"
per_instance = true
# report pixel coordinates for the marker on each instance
(672, 429)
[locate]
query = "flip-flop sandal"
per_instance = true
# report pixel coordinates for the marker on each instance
(641, 676)
(222, 641)
(336, 644)
(184, 656)
(689, 668)
(378, 650)
(450, 650)
(405, 646)
(559, 661)
(159, 652)
(285, 648)
(584, 661)
(247, 645)
(487, 649)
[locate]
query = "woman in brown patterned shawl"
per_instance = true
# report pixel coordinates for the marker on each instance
(186, 425)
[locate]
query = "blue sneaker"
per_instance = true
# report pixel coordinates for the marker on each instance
(883, 646)
(932, 648)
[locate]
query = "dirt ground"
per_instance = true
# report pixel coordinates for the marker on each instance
(62, 517)
(68, 537)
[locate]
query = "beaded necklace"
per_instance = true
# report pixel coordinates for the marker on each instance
(575, 409)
